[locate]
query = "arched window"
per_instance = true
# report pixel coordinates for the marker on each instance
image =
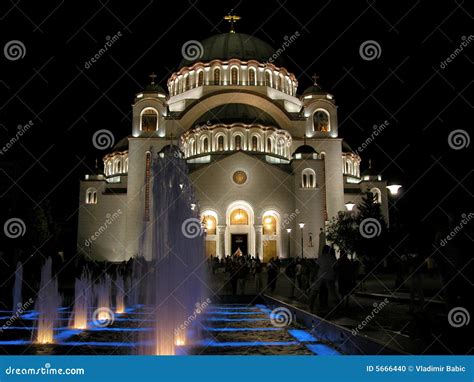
(239, 217)
(234, 76)
(254, 143)
(281, 147)
(186, 83)
(322, 155)
(217, 76)
(119, 166)
(321, 121)
(205, 145)
(308, 178)
(220, 143)
(200, 78)
(210, 224)
(91, 196)
(268, 80)
(238, 142)
(269, 225)
(277, 82)
(377, 194)
(149, 120)
(269, 145)
(252, 77)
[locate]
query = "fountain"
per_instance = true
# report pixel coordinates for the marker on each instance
(47, 304)
(103, 288)
(173, 240)
(17, 287)
(82, 302)
(119, 294)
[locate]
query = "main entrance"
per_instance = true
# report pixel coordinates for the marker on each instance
(239, 241)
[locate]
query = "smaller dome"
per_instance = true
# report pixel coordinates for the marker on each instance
(154, 88)
(370, 171)
(172, 149)
(346, 148)
(314, 89)
(121, 145)
(305, 149)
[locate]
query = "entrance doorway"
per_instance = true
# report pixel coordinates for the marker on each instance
(239, 241)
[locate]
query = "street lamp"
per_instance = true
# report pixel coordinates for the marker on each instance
(289, 231)
(394, 188)
(301, 227)
(350, 206)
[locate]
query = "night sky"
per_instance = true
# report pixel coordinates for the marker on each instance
(407, 85)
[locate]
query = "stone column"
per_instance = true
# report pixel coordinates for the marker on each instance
(221, 240)
(258, 240)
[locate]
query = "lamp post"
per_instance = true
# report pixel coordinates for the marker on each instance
(349, 206)
(289, 231)
(301, 228)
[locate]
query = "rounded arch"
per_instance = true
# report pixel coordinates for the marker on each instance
(149, 119)
(242, 229)
(377, 193)
(308, 178)
(205, 104)
(321, 120)
(91, 195)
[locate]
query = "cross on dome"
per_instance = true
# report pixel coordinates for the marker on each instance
(232, 18)
(152, 77)
(315, 78)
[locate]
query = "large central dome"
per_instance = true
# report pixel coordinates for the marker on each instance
(234, 45)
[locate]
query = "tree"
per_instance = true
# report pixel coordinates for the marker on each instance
(372, 229)
(343, 231)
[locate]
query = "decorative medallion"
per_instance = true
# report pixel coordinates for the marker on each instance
(239, 177)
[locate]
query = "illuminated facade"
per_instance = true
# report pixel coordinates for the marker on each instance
(262, 157)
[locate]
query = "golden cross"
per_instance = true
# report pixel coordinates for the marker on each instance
(315, 78)
(152, 77)
(232, 19)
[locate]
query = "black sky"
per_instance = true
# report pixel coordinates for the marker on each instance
(405, 86)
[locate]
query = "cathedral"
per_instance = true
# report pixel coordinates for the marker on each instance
(267, 163)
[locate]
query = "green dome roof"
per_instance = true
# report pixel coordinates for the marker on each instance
(305, 149)
(234, 45)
